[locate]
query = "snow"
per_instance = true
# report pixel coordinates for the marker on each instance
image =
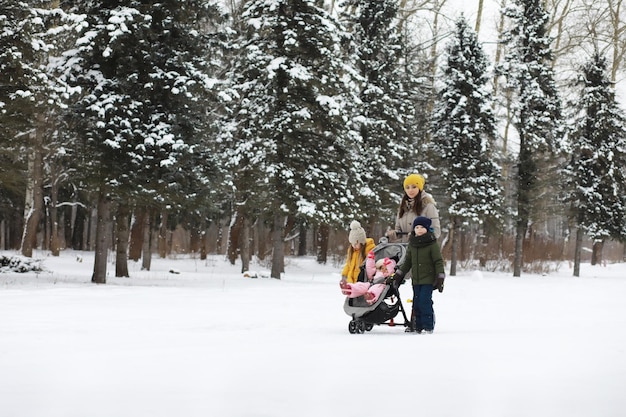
(203, 340)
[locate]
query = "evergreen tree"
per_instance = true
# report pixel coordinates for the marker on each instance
(30, 107)
(286, 142)
(537, 112)
(385, 111)
(464, 132)
(144, 71)
(596, 170)
(13, 79)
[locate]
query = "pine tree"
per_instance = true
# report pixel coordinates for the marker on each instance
(537, 112)
(287, 145)
(13, 106)
(144, 72)
(382, 118)
(30, 107)
(596, 170)
(464, 132)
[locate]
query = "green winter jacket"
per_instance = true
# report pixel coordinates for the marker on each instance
(423, 259)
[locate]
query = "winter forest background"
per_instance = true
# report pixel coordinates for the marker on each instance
(262, 128)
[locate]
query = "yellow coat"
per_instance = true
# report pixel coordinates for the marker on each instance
(353, 263)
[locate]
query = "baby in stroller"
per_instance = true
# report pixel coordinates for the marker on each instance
(377, 273)
(380, 300)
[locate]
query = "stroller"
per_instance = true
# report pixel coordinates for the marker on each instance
(387, 306)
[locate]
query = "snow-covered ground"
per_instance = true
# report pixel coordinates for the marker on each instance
(205, 341)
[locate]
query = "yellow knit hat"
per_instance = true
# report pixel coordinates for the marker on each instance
(415, 179)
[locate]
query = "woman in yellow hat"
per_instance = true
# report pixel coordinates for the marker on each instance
(415, 202)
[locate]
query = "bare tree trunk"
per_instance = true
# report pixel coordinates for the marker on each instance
(261, 240)
(146, 258)
(234, 235)
(453, 247)
(278, 253)
(136, 234)
(577, 250)
(557, 21)
(55, 241)
(102, 239)
(204, 243)
(78, 231)
(499, 51)
(322, 243)
(302, 240)
(92, 221)
(596, 252)
(33, 203)
(519, 248)
(617, 43)
(162, 238)
(479, 16)
(245, 246)
(121, 240)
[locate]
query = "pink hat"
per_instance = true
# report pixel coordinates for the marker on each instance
(390, 264)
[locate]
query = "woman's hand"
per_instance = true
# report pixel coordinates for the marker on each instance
(391, 234)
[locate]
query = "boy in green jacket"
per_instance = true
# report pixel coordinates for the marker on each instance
(424, 259)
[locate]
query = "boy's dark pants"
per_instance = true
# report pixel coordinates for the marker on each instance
(423, 307)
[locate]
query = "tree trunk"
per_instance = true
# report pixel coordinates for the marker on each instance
(497, 59)
(136, 234)
(78, 228)
(14, 229)
(262, 240)
(68, 225)
(278, 252)
(162, 239)
(92, 221)
(322, 243)
(453, 247)
(33, 208)
(479, 16)
(519, 250)
(578, 249)
(121, 240)
(288, 231)
(102, 239)
(526, 181)
(234, 235)
(302, 239)
(147, 241)
(245, 246)
(596, 252)
(55, 240)
(204, 243)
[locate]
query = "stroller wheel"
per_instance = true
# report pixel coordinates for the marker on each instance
(352, 327)
(368, 327)
(360, 327)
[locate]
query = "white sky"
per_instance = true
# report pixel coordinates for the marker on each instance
(209, 342)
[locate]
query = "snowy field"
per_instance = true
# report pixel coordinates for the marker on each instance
(207, 342)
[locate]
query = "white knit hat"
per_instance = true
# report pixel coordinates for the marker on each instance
(357, 233)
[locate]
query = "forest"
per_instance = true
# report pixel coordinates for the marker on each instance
(261, 128)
